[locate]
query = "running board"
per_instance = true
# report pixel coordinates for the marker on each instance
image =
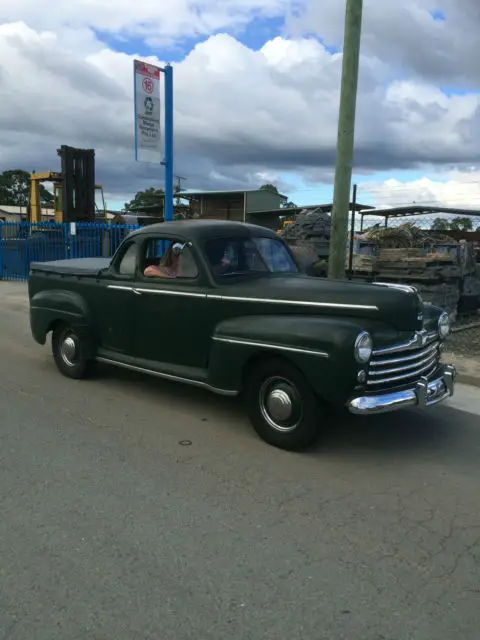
(166, 376)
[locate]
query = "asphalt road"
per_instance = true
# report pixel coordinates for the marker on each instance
(114, 528)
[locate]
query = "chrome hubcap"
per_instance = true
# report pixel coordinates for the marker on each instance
(68, 350)
(280, 404)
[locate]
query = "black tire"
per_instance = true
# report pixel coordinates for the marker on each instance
(296, 432)
(70, 353)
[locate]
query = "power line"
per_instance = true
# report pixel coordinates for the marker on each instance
(179, 183)
(417, 184)
(396, 202)
(381, 187)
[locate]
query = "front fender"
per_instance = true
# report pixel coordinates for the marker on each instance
(58, 305)
(321, 347)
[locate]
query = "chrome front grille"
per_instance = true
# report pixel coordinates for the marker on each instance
(397, 366)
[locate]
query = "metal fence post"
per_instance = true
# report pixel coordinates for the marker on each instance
(2, 231)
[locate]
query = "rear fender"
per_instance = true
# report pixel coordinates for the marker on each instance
(49, 307)
(321, 347)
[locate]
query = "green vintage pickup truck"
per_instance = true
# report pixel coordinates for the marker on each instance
(223, 305)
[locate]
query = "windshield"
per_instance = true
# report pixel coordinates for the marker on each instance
(248, 256)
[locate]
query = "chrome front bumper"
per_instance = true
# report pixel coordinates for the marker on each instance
(425, 393)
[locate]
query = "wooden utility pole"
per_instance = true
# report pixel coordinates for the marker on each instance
(345, 140)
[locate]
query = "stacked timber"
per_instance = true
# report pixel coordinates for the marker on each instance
(437, 275)
(407, 264)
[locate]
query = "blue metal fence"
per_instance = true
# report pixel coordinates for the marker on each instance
(22, 243)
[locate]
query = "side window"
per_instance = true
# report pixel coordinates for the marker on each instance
(168, 258)
(128, 262)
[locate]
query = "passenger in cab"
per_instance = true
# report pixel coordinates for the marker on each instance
(168, 267)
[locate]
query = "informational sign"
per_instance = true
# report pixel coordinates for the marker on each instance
(148, 140)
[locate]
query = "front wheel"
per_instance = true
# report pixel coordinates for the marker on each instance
(69, 353)
(281, 405)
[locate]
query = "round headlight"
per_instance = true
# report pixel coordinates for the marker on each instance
(363, 347)
(443, 325)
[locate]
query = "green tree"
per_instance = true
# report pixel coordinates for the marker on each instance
(439, 224)
(461, 224)
(150, 201)
(269, 187)
(457, 224)
(15, 189)
(286, 204)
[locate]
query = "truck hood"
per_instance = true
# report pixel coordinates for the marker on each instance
(400, 307)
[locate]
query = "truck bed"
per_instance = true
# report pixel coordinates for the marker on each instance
(73, 267)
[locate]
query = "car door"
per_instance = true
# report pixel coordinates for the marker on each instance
(114, 301)
(170, 320)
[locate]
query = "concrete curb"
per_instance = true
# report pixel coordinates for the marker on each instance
(468, 380)
(468, 368)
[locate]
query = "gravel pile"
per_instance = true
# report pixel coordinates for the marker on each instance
(464, 340)
(465, 343)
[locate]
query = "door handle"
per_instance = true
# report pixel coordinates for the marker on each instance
(137, 292)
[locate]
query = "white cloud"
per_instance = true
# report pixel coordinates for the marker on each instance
(454, 189)
(407, 36)
(240, 114)
(156, 22)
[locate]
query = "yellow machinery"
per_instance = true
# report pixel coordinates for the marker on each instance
(284, 225)
(35, 212)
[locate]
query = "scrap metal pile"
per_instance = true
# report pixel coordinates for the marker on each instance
(309, 238)
(442, 269)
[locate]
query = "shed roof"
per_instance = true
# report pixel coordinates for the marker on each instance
(324, 208)
(232, 192)
(419, 210)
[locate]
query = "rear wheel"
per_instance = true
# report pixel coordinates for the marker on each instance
(282, 406)
(70, 353)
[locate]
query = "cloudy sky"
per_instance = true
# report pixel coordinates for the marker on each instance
(256, 93)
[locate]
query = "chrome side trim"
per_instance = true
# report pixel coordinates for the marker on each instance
(267, 345)
(167, 376)
(423, 395)
(119, 287)
(211, 296)
(170, 292)
(303, 303)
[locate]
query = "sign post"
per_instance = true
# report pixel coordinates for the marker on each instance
(148, 139)
(168, 161)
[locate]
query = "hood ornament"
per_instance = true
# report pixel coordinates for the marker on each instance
(421, 337)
